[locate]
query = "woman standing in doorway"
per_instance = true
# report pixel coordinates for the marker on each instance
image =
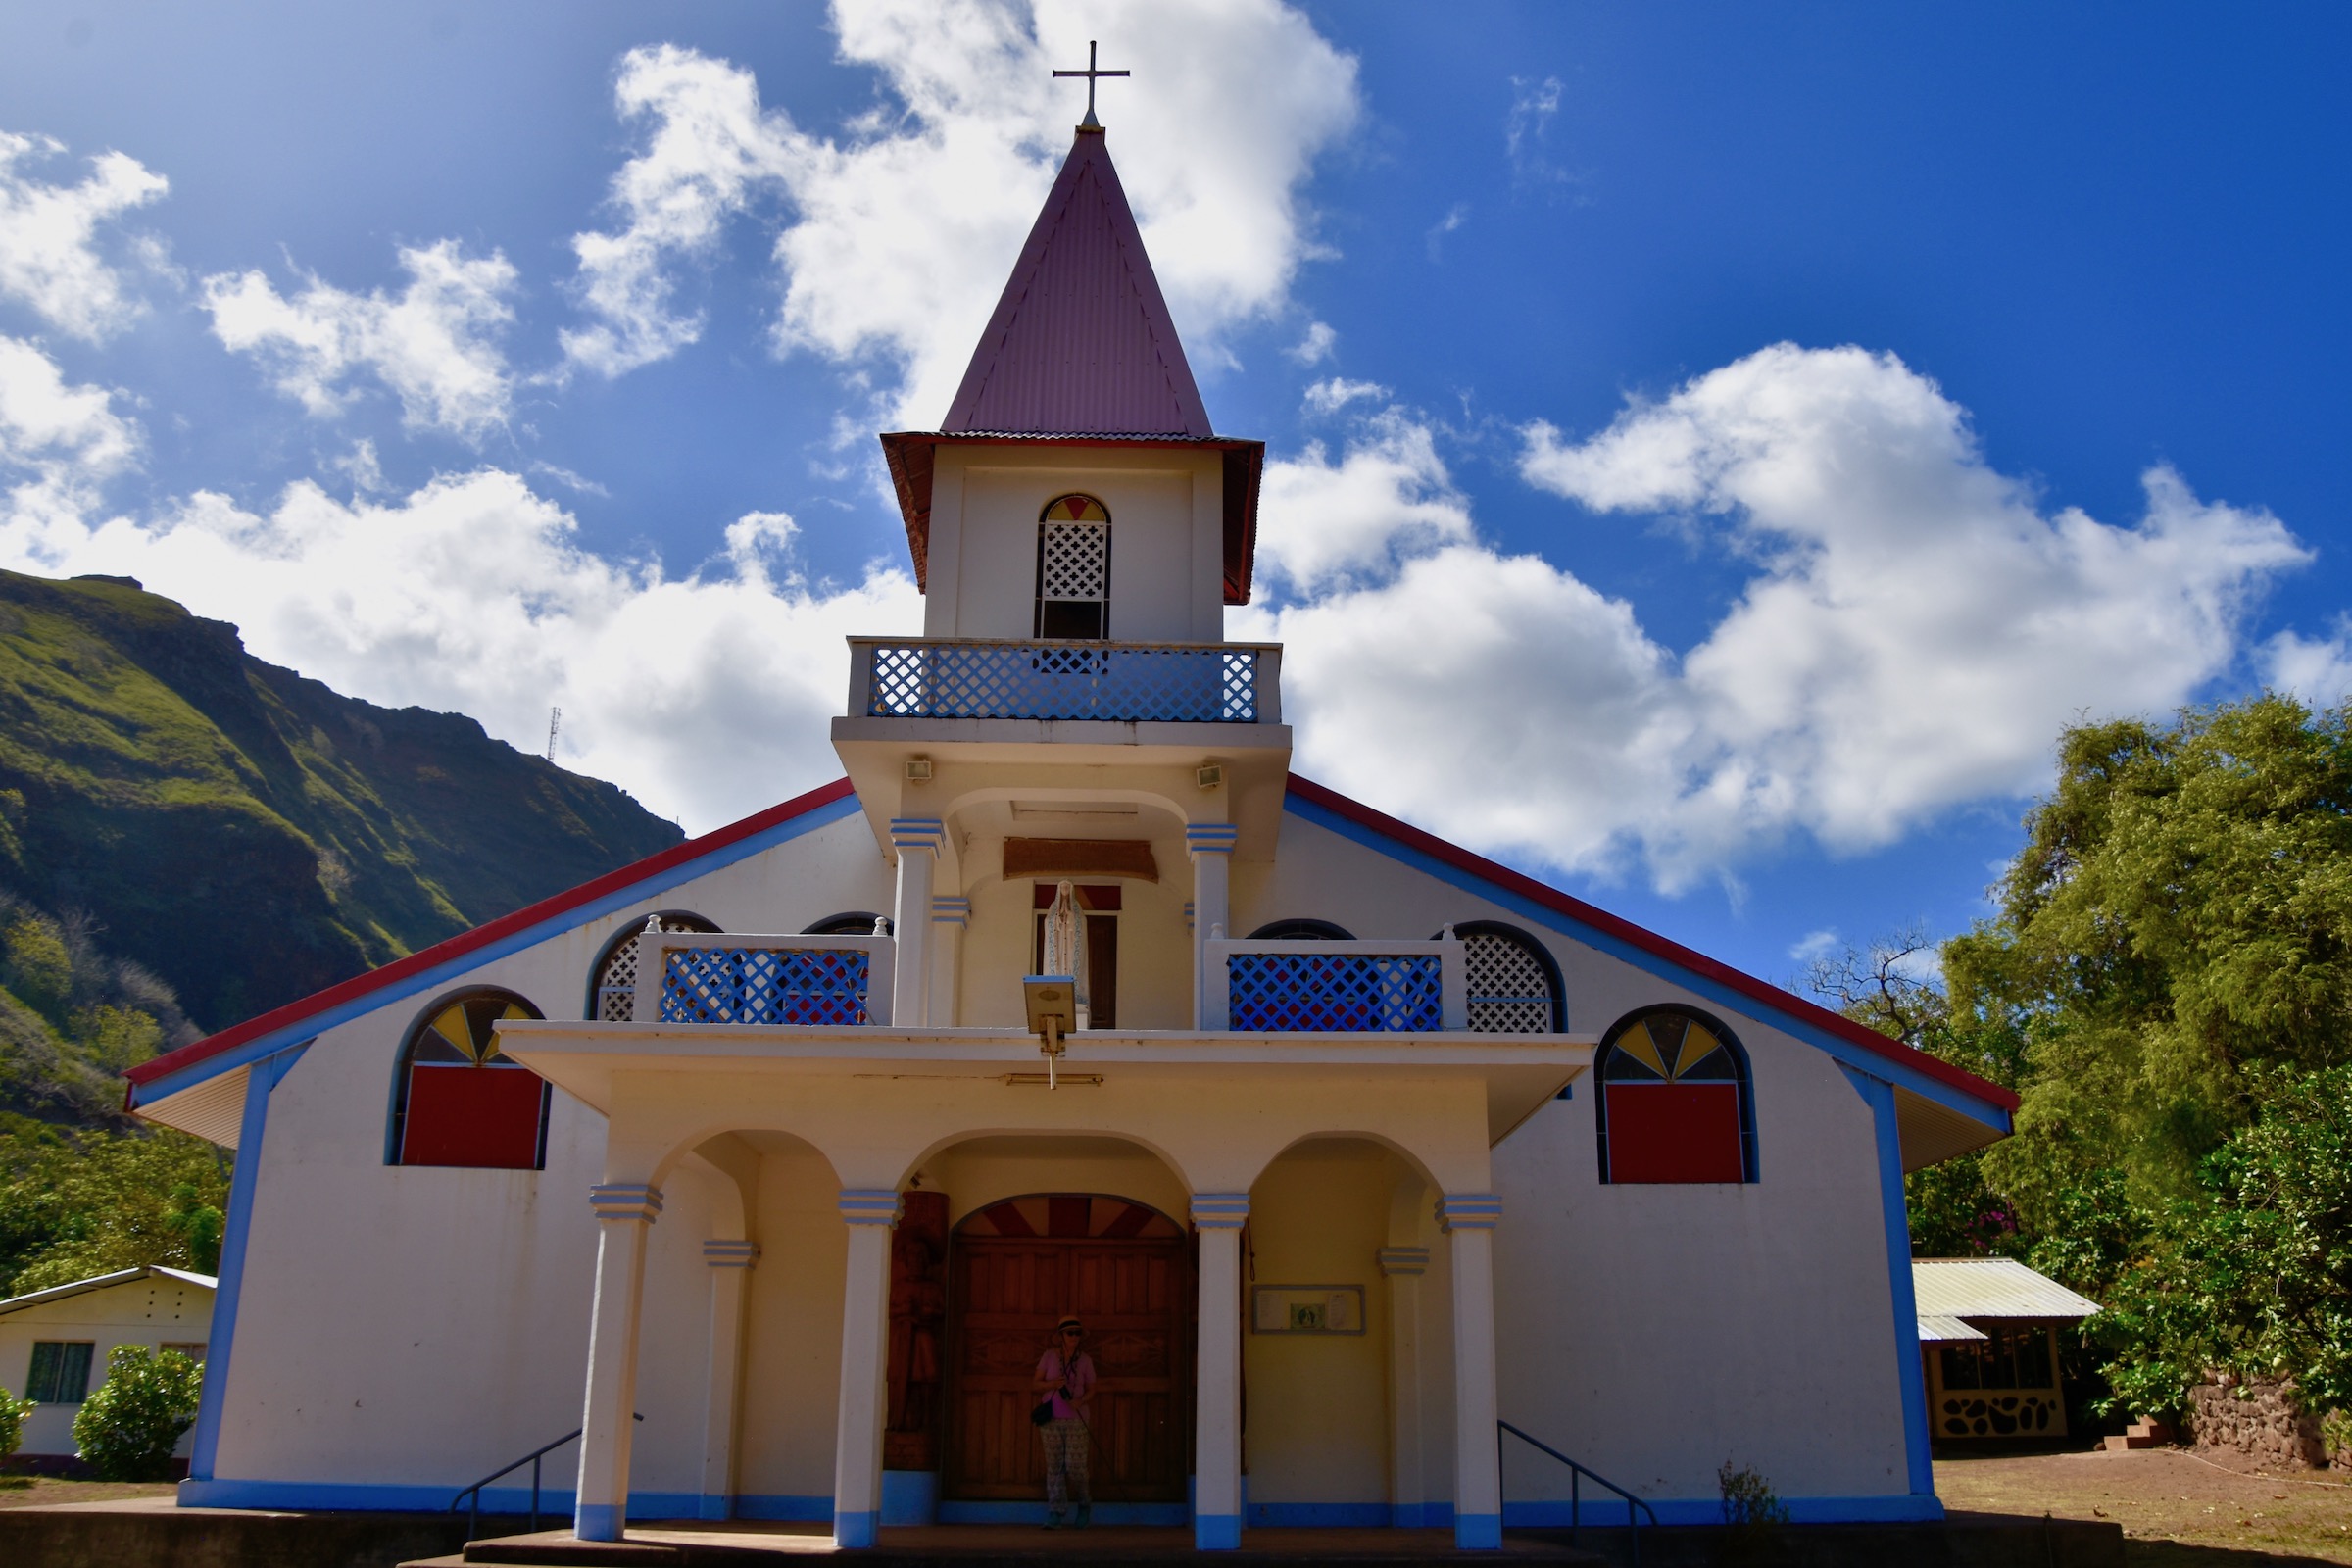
(1065, 1376)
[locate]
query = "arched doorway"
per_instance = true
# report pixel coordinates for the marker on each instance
(1015, 1268)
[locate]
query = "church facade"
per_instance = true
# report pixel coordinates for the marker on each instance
(746, 1161)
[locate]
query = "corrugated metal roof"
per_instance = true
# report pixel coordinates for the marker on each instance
(1081, 341)
(101, 1282)
(1990, 1287)
(1936, 1329)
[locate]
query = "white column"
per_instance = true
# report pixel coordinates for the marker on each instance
(1218, 1369)
(1469, 1220)
(949, 916)
(730, 1263)
(1404, 1266)
(917, 840)
(625, 1213)
(1210, 845)
(869, 1213)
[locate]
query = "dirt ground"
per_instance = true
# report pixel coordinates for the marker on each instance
(2178, 1509)
(21, 1492)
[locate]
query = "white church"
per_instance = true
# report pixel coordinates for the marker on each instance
(746, 1161)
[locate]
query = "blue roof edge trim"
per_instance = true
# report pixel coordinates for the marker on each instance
(1842, 1053)
(317, 1023)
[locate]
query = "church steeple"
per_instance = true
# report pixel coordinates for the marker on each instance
(1081, 342)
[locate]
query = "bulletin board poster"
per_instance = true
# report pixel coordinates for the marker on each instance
(1307, 1309)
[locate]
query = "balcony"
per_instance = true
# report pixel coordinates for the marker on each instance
(1189, 683)
(1336, 987)
(837, 981)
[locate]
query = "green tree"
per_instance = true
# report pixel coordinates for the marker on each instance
(126, 1428)
(13, 1413)
(78, 1204)
(2180, 913)
(198, 1225)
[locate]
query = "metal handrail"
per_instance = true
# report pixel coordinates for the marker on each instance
(473, 1510)
(1575, 1476)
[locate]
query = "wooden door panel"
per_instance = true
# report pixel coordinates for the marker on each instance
(1005, 1294)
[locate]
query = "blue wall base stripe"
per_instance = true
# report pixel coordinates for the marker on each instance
(1217, 1531)
(717, 1506)
(1477, 1532)
(1318, 1515)
(598, 1521)
(555, 1502)
(1421, 1515)
(782, 1507)
(854, 1531)
(1896, 1508)
(1165, 1515)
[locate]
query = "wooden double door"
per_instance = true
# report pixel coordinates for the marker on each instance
(1136, 1298)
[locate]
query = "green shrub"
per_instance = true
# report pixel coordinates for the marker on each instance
(13, 1413)
(1750, 1505)
(126, 1430)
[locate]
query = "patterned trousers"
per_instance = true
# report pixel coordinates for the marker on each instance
(1065, 1464)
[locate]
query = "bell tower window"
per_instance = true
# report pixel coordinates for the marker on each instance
(1073, 568)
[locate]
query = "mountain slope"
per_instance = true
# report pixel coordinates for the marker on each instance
(249, 835)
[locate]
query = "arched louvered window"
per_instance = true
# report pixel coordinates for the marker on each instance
(1514, 984)
(1073, 568)
(1674, 1102)
(458, 1099)
(850, 923)
(613, 983)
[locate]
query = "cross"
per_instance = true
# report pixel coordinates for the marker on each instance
(1090, 123)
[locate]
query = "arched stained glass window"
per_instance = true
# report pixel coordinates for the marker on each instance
(1073, 568)
(459, 1099)
(613, 992)
(1674, 1102)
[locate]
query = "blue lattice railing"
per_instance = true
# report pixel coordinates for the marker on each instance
(1334, 991)
(1133, 682)
(766, 985)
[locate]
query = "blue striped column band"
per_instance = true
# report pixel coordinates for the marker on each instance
(918, 833)
(1188, 915)
(625, 1201)
(870, 1206)
(1405, 1261)
(724, 1252)
(1210, 838)
(1470, 1211)
(952, 912)
(1220, 1211)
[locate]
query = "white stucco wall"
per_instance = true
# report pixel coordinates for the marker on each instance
(152, 1312)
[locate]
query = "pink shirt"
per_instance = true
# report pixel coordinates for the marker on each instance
(1080, 1382)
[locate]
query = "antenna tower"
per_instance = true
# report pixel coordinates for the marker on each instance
(555, 717)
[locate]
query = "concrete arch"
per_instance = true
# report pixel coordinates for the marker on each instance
(947, 1143)
(1413, 1161)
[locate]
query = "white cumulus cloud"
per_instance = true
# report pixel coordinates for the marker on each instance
(435, 344)
(49, 257)
(704, 694)
(2317, 670)
(898, 234)
(59, 443)
(1916, 631)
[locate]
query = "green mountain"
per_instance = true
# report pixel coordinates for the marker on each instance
(248, 836)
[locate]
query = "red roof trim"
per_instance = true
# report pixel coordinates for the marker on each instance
(1746, 985)
(481, 936)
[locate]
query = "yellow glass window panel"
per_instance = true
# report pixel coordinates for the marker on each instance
(1074, 509)
(455, 1027)
(1697, 1046)
(1636, 1042)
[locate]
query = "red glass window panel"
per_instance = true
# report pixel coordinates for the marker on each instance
(1674, 1133)
(467, 1115)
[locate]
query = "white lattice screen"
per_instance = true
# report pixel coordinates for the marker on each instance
(616, 981)
(1074, 562)
(1510, 993)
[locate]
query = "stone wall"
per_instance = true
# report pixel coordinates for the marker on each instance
(2261, 1421)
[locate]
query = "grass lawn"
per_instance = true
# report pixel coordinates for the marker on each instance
(2178, 1510)
(24, 1491)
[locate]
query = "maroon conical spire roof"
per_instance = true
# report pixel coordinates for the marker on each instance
(1081, 342)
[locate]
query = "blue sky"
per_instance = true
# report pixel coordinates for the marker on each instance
(1713, 448)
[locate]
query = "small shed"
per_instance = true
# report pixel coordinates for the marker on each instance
(54, 1343)
(1988, 1333)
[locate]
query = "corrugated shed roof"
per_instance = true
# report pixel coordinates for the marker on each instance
(1990, 1287)
(1081, 341)
(1936, 1329)
(102, 1281)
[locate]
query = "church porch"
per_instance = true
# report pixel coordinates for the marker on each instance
(1241, 1128)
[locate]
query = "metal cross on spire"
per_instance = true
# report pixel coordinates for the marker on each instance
(1090, 123)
